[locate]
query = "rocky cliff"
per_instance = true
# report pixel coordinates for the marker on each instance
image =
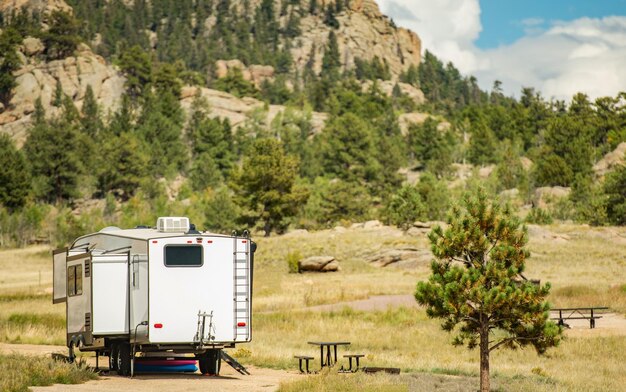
(364, 32)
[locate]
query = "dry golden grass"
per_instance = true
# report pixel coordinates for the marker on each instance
(588, 269)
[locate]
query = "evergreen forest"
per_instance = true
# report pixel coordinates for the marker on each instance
(120, 168)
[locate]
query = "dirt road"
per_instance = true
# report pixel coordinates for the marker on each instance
(260, 380)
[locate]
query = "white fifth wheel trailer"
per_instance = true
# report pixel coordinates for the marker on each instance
(150, 291)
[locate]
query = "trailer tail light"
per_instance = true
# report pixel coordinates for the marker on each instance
(158, 325)
(241, 324)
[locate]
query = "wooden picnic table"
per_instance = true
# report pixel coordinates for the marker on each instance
(578, 314)
(327, 360)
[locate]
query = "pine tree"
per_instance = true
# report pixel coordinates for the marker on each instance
(123, 165)
(51, 147)
(265, 186)
(90, 115)
(405, 207)
(615, 190)
(14, 175)
(135, 64)
(477, 287)
(331, 62)
(211, 139)
(62, 37)
(347, 150)
(9, 63)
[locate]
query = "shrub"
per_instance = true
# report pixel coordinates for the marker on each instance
(539, 216)
(292, 262)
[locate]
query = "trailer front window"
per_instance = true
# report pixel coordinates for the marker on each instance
(183, 255)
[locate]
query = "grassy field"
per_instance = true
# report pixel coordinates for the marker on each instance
(585, 266)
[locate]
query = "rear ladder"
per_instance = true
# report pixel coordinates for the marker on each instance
(241, 287)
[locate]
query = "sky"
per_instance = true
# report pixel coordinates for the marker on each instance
(559, 47)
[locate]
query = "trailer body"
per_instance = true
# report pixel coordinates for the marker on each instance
(168, 289)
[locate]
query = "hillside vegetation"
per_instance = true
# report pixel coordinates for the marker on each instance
(80, 170)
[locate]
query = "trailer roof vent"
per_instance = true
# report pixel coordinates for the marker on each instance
(173, 224)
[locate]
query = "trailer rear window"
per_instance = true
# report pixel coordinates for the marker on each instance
(183, 255)
(75, 280)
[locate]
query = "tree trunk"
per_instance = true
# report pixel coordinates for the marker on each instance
(484, 358)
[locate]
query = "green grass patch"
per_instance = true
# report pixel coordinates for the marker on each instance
(18, 372)
(24, 296)
(47, 320)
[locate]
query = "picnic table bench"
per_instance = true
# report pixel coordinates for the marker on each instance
(328, 357)
(578, 314)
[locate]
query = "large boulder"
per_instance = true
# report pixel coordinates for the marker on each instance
(549, 194)
(32, 46)
(407, 257)
(318, 264)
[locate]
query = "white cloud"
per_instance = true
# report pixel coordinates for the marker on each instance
(447, 28)
(558, 58)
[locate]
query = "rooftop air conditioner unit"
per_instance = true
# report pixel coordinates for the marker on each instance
(173, 224)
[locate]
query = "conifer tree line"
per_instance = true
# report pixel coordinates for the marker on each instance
(280, 174)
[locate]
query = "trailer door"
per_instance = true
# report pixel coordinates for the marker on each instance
(59, 282)
(110, 294)
(187, 276)
(78, 274)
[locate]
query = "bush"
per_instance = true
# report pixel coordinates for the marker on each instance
(539, 216)
(405, 207)
(292, 262)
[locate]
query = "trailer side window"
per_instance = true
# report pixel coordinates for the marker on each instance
(183, 255)
(75, 280)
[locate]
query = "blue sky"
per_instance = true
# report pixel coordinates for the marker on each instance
(559, 47)
(506, 21)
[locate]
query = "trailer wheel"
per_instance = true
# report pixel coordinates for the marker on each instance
(123, 360)
(211, 362)
(115, 349)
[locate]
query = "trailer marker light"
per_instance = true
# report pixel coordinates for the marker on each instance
(209, 242)
(241, 324)
(154, 242)
(189, 242)
(244, 241)
(158, 325)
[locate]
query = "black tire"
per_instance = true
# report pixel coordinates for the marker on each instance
(203, 364)
(123, 360)
(211, 362)
(115, 349)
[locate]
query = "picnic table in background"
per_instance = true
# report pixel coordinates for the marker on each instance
(578, 314)
(328, 359)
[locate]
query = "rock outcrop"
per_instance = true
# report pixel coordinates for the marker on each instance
(41, 6)
(364, 32)
(38, 79)
(407, 257)
(256, 74)
(318, 264)
(611, 160)
(238, 110)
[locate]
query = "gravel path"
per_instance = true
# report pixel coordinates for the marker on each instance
(260, 380)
